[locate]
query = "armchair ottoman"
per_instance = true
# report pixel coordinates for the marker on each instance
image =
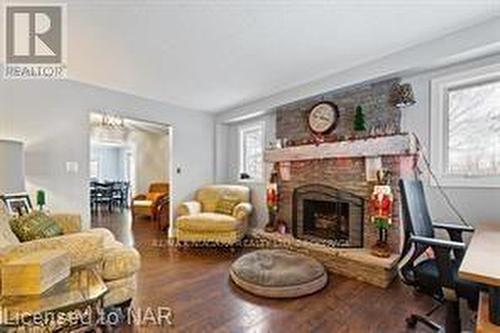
(201, 220)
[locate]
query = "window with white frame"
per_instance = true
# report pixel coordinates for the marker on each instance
(465, 128)
(251, 146)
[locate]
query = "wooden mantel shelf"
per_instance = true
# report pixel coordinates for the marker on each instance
(401, 144)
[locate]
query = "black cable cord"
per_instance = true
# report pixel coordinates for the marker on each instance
(438, 185)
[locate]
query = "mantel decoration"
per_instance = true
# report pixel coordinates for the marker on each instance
(381, 203)
(272, 199)
(322, 120)
(402, 95)
(359, 119)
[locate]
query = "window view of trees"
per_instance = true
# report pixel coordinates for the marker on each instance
(474, 130)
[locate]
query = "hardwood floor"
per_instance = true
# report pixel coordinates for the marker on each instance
(194, 283)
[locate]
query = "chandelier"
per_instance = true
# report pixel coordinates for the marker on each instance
(112, 121)
(108, 127)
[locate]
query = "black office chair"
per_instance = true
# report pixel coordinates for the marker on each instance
(438, 276)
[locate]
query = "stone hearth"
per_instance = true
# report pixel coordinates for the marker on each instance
(354, 263)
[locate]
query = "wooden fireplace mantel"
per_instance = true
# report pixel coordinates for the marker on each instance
(400, 144)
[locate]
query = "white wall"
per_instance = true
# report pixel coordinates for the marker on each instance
(151, 158)
(52, 119)
(476, 204)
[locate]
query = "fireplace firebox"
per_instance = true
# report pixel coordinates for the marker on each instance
(327, 215)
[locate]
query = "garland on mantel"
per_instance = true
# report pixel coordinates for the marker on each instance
(318, 140)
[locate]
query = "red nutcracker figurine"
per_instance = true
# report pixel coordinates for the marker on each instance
(272, 199)
(381, 212)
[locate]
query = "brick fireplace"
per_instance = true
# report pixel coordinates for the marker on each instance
(340, 164)
(325, 196)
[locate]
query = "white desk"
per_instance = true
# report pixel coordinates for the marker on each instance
(481, 264)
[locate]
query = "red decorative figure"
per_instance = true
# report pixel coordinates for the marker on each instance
(272, 199)
(381, 213)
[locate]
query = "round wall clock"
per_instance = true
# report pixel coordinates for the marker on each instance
(323, 117)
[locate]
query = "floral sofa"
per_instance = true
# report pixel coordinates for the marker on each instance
(116, 263)
(201, 220)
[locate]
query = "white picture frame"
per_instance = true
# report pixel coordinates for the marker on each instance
(17, 203)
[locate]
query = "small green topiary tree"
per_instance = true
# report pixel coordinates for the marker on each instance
(359, 119)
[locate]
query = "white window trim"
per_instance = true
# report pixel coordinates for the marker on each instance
(439, 128)
(254, 125)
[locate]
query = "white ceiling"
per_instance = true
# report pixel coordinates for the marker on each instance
(216, 55)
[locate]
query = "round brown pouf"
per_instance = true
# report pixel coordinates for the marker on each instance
(278, 274)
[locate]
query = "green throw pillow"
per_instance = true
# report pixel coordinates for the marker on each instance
(226, 206)
(35, 225)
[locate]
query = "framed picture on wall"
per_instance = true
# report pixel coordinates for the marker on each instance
(17, 204)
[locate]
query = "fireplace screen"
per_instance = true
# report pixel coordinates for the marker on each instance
(328, 216)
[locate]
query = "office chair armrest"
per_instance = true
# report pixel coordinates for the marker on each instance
(453, 226)
(455, 231)
(435, 242)
(442, 250)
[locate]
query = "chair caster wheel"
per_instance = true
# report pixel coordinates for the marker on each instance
(411, 322)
